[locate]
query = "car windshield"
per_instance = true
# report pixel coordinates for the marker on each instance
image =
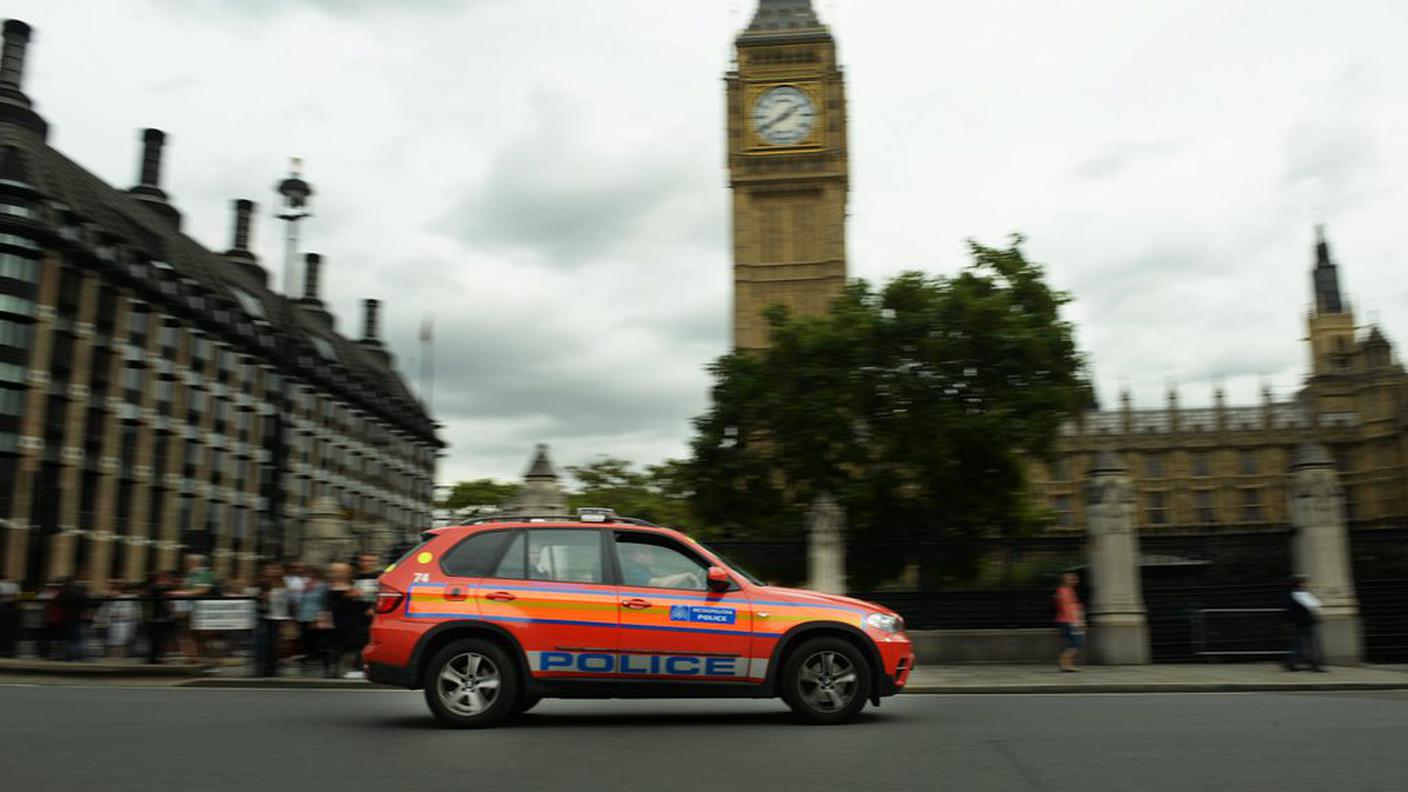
(731, 564)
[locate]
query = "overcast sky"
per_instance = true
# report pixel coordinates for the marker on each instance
(546, 178)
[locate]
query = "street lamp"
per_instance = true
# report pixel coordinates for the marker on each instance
(295, 192)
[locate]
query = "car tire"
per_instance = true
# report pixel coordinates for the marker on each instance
(826, 681)
(471, 683)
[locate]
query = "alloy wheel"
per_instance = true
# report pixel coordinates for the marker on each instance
(468, 683)
(827, 681)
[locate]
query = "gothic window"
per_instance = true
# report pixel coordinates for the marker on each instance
(1062, 505)
(1251, 505)
(1203, 507)
(1156, 503)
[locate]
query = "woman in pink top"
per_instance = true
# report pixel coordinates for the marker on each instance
(1070, 618)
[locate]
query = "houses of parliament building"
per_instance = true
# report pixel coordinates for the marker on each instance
(1228, 466)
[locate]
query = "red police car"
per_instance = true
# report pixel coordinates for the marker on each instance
(492, 616)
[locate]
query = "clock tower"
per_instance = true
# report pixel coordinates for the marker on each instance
(787, 168)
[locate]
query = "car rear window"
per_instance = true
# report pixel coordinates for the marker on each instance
(476, 555)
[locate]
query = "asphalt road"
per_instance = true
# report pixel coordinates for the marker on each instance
(191, 740)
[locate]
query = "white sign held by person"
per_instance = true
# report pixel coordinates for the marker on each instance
(223, 615)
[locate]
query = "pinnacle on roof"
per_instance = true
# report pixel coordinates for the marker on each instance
(1326, 277)
(780, 16)
(542, 467)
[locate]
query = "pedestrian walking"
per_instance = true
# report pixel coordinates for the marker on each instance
(51, 619)
(315, 623)
(348, 613)
(9, 616)
(196, 583)
(273, 616)
(117, 617)
(1303, 615)
(159, 616)
(72, 603)
(1070, 619)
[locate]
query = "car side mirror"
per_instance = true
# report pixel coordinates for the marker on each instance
(719, 579)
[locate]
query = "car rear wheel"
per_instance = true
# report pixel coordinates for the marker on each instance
(471, 684)
(826, 680)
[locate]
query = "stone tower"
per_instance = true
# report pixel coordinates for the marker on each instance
(787, 167)
(1331, 321)
(542, 493)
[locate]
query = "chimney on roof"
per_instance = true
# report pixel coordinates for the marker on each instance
(15, 107)
(371, 330)
(312, 267)
(312, 263)
(239, 253)
(147, 190)
(370, 321)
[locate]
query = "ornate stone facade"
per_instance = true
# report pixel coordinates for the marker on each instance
(1230, 466)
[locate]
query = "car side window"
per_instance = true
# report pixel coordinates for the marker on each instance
(658, 562)
(567, 555)
(476, 555)
(514, 562)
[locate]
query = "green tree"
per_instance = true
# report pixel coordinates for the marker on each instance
(915, 405)
(655, 493)
(480, 492)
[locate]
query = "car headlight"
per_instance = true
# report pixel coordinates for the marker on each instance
(885, 622)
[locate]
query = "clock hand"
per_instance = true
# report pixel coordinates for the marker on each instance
(779, 118)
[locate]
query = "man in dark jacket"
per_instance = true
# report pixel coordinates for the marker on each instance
(1303, 615)
(73, 609)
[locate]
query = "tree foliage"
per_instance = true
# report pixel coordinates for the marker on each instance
(480, 492)
(655, 493)
(914, 405)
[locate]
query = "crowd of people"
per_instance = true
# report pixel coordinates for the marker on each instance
(304, 618)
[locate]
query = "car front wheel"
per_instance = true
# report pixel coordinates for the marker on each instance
(471, 684)
(826, 681)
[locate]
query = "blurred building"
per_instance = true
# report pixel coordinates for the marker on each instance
(788, 168)
(158, 397)
(1229, 466)
(542, 493)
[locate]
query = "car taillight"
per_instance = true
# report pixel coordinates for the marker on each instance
(388, 599)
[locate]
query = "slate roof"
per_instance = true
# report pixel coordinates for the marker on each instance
(782, 16)
(72, 197)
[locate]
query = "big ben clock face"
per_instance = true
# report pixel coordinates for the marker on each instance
(783, 115)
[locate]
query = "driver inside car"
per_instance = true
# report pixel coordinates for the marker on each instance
(637, 569)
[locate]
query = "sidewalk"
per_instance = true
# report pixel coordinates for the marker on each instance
(950, 679)
(1170, 678)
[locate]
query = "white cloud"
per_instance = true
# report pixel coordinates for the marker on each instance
(547, 179)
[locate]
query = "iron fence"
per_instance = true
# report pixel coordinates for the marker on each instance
(1380, 560)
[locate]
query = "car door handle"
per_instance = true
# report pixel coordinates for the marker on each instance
(500, 596)
(635, 604)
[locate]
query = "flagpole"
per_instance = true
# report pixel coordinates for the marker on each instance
(427, 364)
